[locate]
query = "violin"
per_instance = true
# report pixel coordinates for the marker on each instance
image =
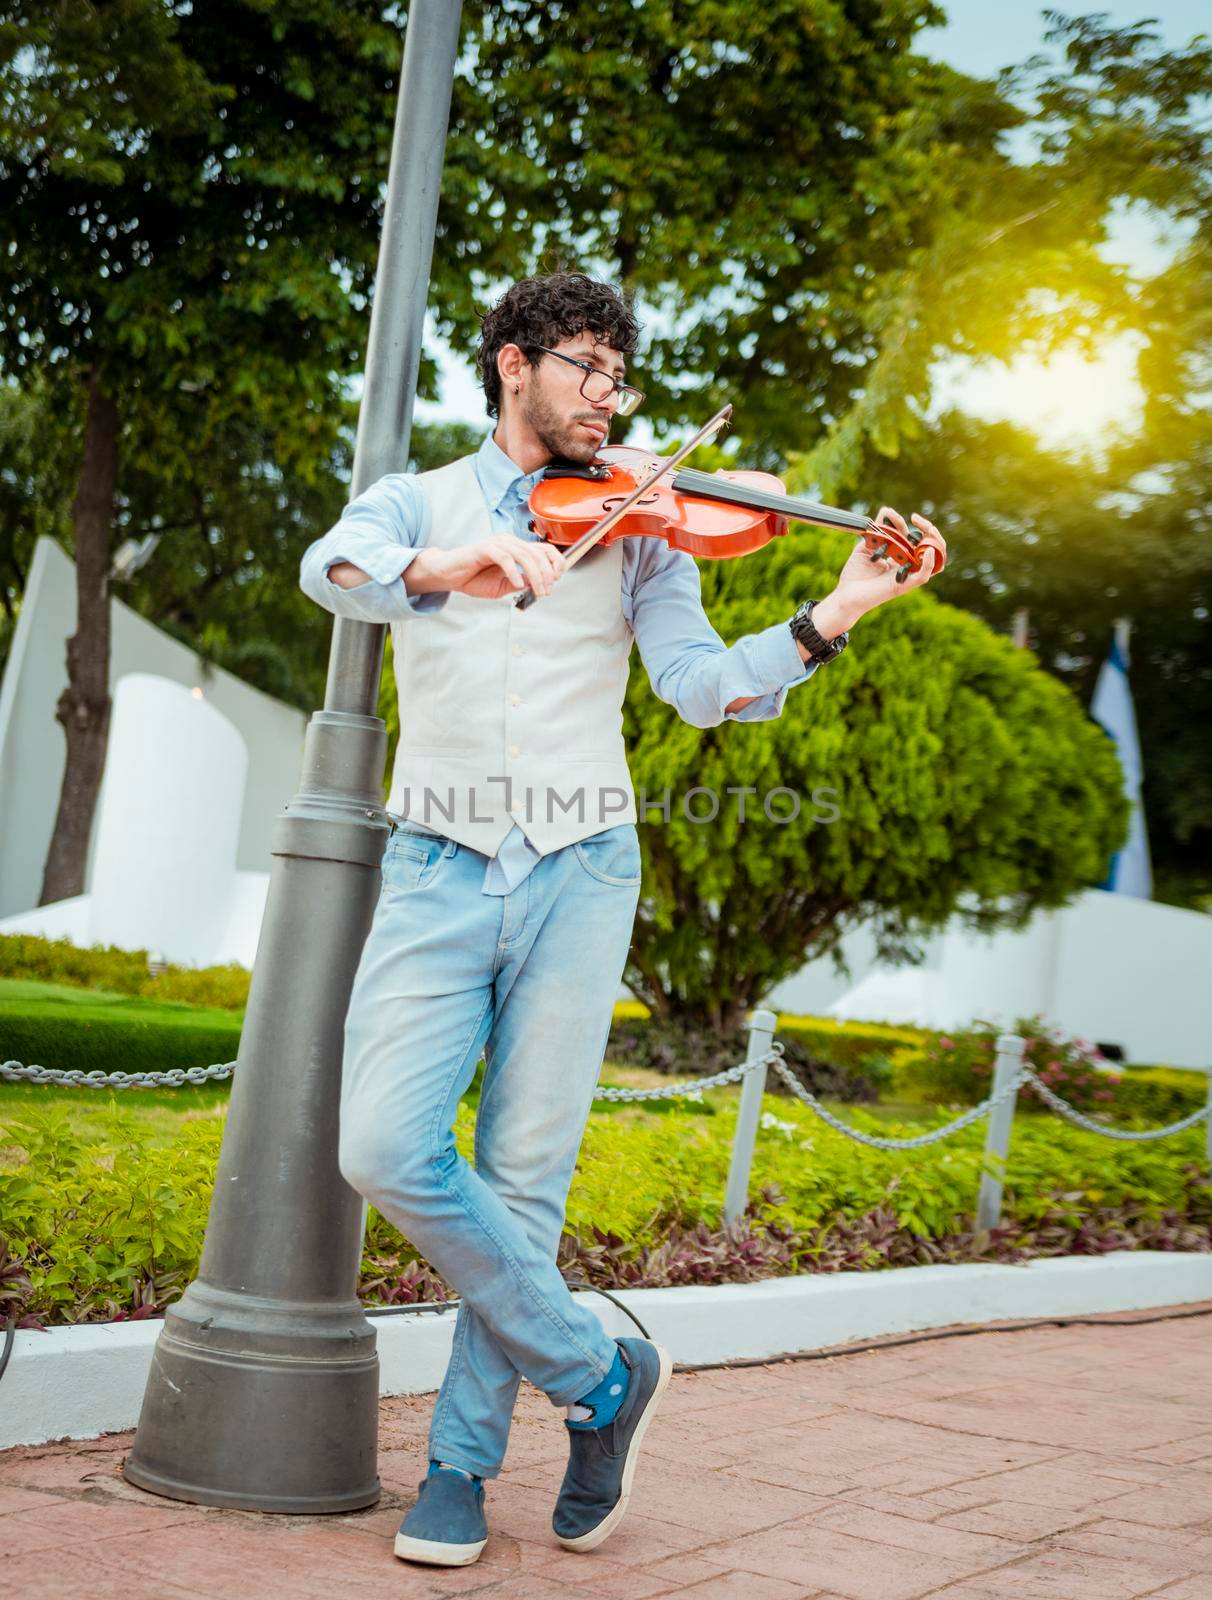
(625, 491)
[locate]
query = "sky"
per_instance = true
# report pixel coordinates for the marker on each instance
(981, 37)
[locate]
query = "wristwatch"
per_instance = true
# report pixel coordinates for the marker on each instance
(819, 648)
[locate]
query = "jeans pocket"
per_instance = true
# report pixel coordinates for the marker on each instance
(613, 856)
(411, 860)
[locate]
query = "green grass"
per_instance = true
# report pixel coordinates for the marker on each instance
(26, 997)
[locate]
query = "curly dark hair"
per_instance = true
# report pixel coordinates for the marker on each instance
(545, 311)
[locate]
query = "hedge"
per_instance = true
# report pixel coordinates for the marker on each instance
(841, 1061)
(121, 972)
(1160, 1094)
(116, 1035)
(107, 1222)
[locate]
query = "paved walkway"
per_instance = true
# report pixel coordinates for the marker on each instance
(1050, 1464)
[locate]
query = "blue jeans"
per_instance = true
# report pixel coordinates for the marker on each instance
(529, 981)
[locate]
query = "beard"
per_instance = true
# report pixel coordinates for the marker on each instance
(559, 435)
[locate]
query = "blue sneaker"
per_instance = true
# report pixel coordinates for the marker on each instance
(602, 1461)
(447, 1526)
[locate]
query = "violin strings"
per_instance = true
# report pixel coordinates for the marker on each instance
(714, 488)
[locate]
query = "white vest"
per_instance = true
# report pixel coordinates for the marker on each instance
(512, 716)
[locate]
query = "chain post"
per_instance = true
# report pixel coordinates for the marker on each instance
(1008, 1066)
(736, 1196)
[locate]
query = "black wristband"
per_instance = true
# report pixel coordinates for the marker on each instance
(818, 647)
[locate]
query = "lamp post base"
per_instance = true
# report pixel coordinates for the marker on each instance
(260, 1405)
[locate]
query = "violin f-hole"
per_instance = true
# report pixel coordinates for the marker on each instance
(614, 500)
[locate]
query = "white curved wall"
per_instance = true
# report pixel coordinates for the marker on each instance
(168, 822)
(31, 741)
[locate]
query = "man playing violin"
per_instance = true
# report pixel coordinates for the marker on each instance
(512, 875)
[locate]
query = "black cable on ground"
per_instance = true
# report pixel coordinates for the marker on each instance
(588, 1288)
(1110, 1319)
(452, 1305)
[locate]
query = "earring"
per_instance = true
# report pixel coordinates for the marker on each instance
(517, 388)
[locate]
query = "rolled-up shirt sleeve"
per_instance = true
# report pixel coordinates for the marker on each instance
(688, 664)
(381, 532)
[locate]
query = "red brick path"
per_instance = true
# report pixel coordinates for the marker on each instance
(1050, 1464)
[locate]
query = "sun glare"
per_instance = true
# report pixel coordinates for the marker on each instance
(1070, 400)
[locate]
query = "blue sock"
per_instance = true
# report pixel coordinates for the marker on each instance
(601, 1405)
(445, 1466)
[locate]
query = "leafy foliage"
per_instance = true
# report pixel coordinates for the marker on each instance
(748, 171)
(109, 1224)
(1017, 262)
(108, 1221)
(958, 1069)
(963, 779)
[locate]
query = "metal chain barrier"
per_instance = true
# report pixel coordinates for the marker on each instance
(14, 1072)
(1081, 1120)
(876, 1141)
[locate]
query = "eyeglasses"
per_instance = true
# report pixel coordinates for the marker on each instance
(598, 385)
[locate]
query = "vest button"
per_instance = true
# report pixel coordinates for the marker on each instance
(515, 699)
(514, 750)
(518, 651)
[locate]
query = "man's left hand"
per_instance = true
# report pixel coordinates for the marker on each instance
(864, 584)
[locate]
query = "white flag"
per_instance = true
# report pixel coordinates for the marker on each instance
(1130, 872)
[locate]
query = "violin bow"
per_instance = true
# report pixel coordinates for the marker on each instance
(590, 537)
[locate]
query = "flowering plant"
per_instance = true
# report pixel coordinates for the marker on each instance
(959, 1067)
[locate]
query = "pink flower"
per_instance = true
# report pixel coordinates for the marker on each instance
(1103, 1094)
(947, 1044)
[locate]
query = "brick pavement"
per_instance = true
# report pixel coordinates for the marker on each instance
(1049, 1464)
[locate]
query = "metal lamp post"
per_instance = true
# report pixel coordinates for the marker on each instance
(264, 1385)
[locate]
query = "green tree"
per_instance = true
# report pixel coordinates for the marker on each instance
(186, 184)
(1076, 538)
(37, 444)
(749, 171)
(959, 777)
(1077, 542)
(197, 192)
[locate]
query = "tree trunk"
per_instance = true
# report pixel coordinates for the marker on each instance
(84, 705)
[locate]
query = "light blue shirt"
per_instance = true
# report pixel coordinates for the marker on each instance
(688, 665)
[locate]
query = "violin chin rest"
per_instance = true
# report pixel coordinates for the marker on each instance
(589, 472)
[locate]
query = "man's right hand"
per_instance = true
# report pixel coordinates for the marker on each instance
(488, 569)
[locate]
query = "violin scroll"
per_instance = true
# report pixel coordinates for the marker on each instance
(906, 545)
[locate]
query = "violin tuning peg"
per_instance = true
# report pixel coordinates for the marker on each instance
(903, 572)
(880, 551)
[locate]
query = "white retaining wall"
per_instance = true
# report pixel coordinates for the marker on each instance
(83, 1381)
(1108, 968)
